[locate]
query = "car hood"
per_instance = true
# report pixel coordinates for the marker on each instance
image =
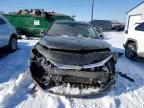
(72, 51)
(73, 43)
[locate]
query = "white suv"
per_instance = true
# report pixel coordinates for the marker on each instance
(134, 41)
(8, 36)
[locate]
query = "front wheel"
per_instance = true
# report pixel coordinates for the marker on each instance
(13, 44)
(130, 51)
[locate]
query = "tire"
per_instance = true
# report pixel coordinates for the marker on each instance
(13, 44)
(130, 51)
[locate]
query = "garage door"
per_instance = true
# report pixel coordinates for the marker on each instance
(134, 19)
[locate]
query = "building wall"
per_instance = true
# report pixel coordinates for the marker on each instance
(137, 10)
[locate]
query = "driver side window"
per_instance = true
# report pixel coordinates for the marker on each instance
(140, 27)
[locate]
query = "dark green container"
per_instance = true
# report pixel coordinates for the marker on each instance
(30, 25)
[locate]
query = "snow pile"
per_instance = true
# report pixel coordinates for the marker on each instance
(15, 90)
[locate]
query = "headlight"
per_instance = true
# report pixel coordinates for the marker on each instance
(40, 58)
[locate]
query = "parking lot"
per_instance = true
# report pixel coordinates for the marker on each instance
(16, 83)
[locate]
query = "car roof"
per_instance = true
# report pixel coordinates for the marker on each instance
(70, 22)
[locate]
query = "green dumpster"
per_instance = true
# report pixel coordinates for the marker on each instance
(30, 25)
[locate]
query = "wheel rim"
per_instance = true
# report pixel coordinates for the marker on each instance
(14, 44)
(130, 51)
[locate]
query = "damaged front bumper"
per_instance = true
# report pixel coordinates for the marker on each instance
(49, 74)
(47, 78)
(94, 74)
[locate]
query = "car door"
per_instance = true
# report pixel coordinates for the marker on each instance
(4, 32)
(139, 35)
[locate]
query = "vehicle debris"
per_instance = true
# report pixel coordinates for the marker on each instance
(125, 76)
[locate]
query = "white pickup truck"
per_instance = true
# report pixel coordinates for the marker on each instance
(134, 41)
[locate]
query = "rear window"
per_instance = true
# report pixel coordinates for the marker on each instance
(140, 27)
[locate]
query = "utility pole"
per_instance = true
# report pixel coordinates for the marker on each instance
(92, 10)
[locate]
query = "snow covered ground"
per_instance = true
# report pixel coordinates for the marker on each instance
(16, 83)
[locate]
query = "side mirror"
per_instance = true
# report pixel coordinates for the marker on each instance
(101, 36)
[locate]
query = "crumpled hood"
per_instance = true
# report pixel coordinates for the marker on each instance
(73, 43)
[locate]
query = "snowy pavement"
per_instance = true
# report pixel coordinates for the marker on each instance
(16, 83)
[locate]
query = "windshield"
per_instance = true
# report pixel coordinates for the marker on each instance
(72, 29)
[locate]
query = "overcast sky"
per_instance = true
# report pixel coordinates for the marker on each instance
(103, 9)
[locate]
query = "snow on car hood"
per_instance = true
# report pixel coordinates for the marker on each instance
(73, 43)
